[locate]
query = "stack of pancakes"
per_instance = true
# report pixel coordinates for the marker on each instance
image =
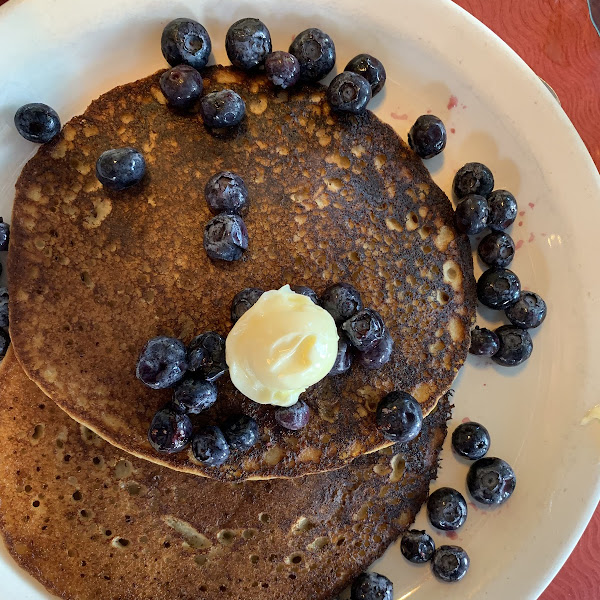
(87, 506)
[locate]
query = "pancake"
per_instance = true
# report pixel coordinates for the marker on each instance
(91, 522)
(94, 274)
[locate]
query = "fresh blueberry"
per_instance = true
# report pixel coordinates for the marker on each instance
(315, 52)
(162, 362)
(365, 329)
(450, 563)
(225, 237)
(248, 42)
(528, 311)
(282, 69)
(4, 235)
(241, 433)
(170, 430)
(226, 192)
(371, 586)
(37, 122)
(186, 41)
(4, 343)
(471, 440)
(206, 354)
(473, 178)
(120, 168)
(244, 300)
(349, 92)
(304, 290)
(472, 214)
(417, 546)
(371, 69)
(225, 108)
(484, 342)
(193, 396)
(182, 86)
(343, 360)
(209, 447)
(496, 249)
(447, 509)
(3, 306)
(379, 355)
(341, 301)
(427, 137)
(503, 210)
(515, 346)
(491, 480)
(399, 417)
(498, 288)
(293, 417)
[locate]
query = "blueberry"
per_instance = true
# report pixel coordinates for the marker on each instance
(399, 417)
(193, 396)
(349, 92)
(471, 214)
(315, 52)
(162, 362)
(222, 109)
(491, 480)
(450, 563)
(528, 311)
(503, 210)
(37, 122)
(473, 178)
(3, 306)
(4, 343)
(182, 86)
(282, 69)
(341, 301)
(379, 355)
(225, 237)
(447, 509)
(484, 342)
(226, 192)
(209, 447)
(365, 329)
(206, 354)
(186, 41)
(241, 433)
(120, 168)
(496, 249)
(170, 430)
(515, 346)
(343, 360)
(371, 69)
(471, 440)
(498, 288)
(293, 417)
(248, 42)
(427, 137)
(244, 300)
(371, 586)
(4, 235)
(304, 290)
(417, 546)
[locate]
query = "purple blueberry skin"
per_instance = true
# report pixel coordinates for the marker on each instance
(417, 546)
(349, 92)
(503, 210)
(399, 417)
(515, 346)
(4, 235)
(282, 69)
(315, 52)
(447, 509)
(498, 288)
(170, 430)
(209, 447)
(4, 343)
(3, 306)
(427, 137)
(343, 360)
(473, 178)
(241, 433)
(379, 355)
(528, 312)
(496, 249)
(225, 108)
(162, 362)
(225, 237)
(186, 41)
(304, 290)
(37, 122)
(450, 563)
(371, 69)
(471, 440)
(226, 192)
(365, 329)
(193, 396)
(293, 417)
(371, 586)
(341, 301)
(248, 42)
(471, 214)
(181, 86)
(206, 356)
(491, 480)
(484, 342)
(243, 301)
(120, 168)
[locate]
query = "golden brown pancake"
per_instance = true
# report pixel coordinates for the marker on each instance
(90, 522)
(94, 274)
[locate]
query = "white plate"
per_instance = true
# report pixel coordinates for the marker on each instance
(67, 52)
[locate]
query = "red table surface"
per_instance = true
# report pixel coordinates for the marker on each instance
(558, 41)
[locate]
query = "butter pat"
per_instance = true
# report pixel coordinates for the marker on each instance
(279, 347)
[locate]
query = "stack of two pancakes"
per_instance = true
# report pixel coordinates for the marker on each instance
(86, 505)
